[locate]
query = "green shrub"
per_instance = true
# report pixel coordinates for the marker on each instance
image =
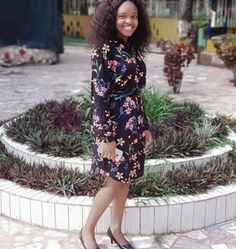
(226, 51)
(64, 128)
(194, 113)
(159, 107)
(59, 129)
(174, 143)
(70, 182)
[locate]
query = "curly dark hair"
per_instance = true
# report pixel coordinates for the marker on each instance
(103, 25)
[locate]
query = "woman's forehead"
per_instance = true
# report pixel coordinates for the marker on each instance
(127, 6)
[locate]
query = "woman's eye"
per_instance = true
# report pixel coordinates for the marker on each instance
(123, 17)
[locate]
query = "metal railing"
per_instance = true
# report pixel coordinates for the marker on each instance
(200, 9)
(156, 8)
(226, 10)
(79, 7)
(163, 8)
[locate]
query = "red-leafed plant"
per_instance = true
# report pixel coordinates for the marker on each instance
(66, 116)
(226, 50)
(177, 55)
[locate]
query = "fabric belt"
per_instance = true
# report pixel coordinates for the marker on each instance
(121, 95)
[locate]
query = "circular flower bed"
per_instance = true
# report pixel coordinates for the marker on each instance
(71, 182)
(180, 129)
(63, 129)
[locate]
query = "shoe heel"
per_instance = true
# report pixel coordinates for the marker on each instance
(82, 240)
(110, 235)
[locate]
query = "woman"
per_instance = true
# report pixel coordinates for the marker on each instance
(120, 31)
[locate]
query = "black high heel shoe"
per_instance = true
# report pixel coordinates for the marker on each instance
(113, 239)
(82, 241)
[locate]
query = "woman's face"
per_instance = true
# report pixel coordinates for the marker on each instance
(126, 20)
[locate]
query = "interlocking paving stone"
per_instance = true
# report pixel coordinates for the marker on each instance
(23, 87)
(15, 235)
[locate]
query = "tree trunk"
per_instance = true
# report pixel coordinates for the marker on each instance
(84, 7)
(185, 10)
(234, 73)
(176, 87)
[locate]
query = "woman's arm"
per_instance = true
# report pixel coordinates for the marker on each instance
(101, 90)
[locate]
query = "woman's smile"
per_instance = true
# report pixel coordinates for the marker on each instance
(126, 20)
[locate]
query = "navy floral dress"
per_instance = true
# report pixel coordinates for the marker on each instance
(118, 76)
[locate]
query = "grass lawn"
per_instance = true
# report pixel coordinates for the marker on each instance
(73, 40)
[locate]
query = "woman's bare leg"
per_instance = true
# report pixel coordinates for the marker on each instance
(101, 201)
(118, 207)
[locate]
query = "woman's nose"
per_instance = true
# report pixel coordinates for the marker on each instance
(128, 20)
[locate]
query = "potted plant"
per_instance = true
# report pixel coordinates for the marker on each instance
(177, 56)
(226, 50)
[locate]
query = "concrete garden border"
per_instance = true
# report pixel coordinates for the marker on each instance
(22, 151)
(144, 216)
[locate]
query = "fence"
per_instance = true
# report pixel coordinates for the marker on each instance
(226, 10)
(80, 7)
(163, 8)
(164, 15)
(200, 9)
(155, 8)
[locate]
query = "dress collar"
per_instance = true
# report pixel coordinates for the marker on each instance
(120, 41)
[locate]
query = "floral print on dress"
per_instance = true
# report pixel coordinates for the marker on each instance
(118, 76)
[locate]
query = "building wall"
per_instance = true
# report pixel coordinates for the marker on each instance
(75, 25)
(162, 28)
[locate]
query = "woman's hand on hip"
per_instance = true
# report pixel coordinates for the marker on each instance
(108, 150)
(148, 137)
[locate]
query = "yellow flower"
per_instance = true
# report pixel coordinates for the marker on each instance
(105, 50)
(133, 173)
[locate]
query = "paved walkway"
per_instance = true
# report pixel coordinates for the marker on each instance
(23, 87)
(16, 235)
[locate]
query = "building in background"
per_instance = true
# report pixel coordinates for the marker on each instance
(224, 13)
(170, 19)
(30, 32)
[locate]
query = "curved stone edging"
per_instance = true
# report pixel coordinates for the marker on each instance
(142, 216)
(154, 165)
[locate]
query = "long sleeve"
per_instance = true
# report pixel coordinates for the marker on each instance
(118, 77)
(145, 122)
(101, 89)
